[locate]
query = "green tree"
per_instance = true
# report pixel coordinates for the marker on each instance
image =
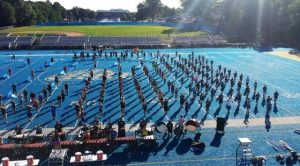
(154, 8)
(294, 15)
(166, 11)
(58, 13)
(142, 11)
(43, 10)
(7, 14)
(247, 20)
(149, 9)
(25, 14)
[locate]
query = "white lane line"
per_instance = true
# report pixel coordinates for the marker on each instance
(264, 71)
(6, 65)
(20, 71)
(46, 102)
(32, 81)
(272, 85)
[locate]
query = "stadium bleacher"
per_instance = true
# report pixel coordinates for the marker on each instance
(153, 40)
(125, 41)
(121, 41)
(24, 41)
(48, 41)
(131, 41)
(197, 41)
(98, 41)
(7, 41)
(72, 41)
(201, 40)
(218, 39)
(4, 34)
(67, 41)
(84, 41)
(181, 40)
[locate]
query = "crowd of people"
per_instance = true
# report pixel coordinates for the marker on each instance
(204, 83)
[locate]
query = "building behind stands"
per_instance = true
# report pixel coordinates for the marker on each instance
(112, 15)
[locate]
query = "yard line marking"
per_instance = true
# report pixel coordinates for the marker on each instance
(76, 123)
(161, 106)
(227, 97)
(20, 71)
(47, 101)
(272, 85)
(6, 65)
(28, 85)
(264, 71)
(32, 81)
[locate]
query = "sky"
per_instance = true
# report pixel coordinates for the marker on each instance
(109, 4)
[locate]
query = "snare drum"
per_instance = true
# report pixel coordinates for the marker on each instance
(161, 127)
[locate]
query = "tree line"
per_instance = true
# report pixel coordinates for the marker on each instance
(240, 20)
(249, 20)
(26, 13)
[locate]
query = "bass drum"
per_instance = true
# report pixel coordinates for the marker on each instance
(191, 125)
(161, 127)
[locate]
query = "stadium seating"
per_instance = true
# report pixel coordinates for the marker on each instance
(218, 39)
(97, 41)
(24, 41)
(73, 41)
(48, 41)
(153, 40)
(131, 41)
(83, 41)
(181, 40)
(202, 40)
(6, 41)
(4, 34)
(124, 41)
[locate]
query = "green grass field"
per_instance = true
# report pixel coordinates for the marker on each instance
(162, 31)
